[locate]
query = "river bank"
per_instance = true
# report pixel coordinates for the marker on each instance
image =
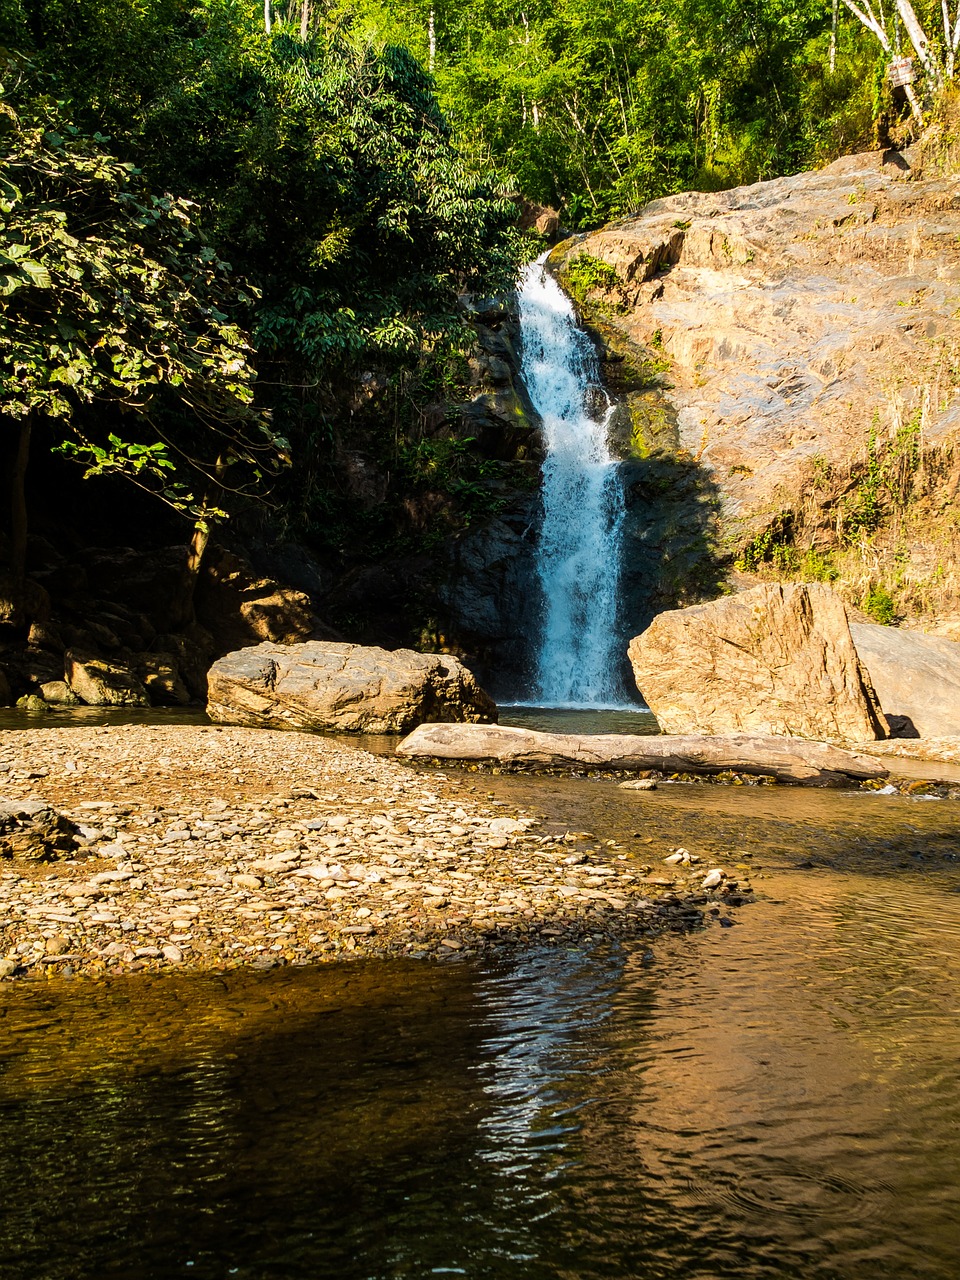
(214, 848)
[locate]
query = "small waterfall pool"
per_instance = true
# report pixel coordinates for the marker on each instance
(579, 653)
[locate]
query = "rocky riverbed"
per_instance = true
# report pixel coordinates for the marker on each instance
(215, 847)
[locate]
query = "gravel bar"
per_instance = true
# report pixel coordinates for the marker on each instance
(213, 847)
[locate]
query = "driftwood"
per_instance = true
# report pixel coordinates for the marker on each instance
(786, 759)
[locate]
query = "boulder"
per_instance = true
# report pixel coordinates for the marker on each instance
(57, 693)
(350, 688)
(31, 830)
(778, 659)
(240, 607)
(192, 649)
(102, 682)
(786, 759)
(161, 678)
(917, 678)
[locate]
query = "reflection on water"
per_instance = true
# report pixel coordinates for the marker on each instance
(95, 717)
(578, 720)
(774, 1100)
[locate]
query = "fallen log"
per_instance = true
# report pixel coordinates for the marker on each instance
(786, 759)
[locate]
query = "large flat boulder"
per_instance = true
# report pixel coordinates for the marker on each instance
(917, 678)
(348, 688)
(778, 659)
(786, 759)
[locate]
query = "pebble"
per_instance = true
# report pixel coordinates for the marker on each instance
(217, 847)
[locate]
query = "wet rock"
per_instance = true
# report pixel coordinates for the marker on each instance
(161, 678)
(32, 702)
(778, 659)
(102, 682)
(240, 607)
(58, 694)
(346, 687)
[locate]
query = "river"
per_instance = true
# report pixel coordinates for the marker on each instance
(774, 1099)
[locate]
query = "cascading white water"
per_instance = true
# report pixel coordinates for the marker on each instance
(578, 558)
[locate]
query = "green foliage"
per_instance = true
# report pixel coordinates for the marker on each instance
(880, 605)
(585, 273)
(322, 170)
(864, 509)
(598, 105)
(114, 304)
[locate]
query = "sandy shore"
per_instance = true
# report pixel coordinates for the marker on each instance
(216, 847)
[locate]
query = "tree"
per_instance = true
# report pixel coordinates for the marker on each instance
(115, 329)
(936, 65)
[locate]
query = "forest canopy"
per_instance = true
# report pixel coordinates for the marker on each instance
(230, 226)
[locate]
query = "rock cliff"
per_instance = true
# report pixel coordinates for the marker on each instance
(805, 337)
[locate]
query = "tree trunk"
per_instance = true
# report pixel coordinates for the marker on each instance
(18, 506)
(267, 16)
(304, 19)
(182, 613)
(432, 38)
(795, 760)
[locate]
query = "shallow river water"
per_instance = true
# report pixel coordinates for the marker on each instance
(775, 1099)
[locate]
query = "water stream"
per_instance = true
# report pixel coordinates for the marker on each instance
(580, 656)
(772, 1101)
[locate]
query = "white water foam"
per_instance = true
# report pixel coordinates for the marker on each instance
(580, 545)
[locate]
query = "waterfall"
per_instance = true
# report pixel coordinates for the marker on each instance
(578, 556)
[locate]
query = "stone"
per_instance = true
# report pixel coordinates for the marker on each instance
(32, 702)
(778, 306)
(548, 223)
(192, 651)
(777, 659)
(345, 687)
(161, 678)
(8, 968)
(639, 784)
(712, 879)
(31, 830)
(103, 682)
(247, 882)
(917, 678)
(58, 694)
(240, 607)
(786, 759)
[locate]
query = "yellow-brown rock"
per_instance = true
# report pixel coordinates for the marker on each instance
(349, 688)
(778, 659)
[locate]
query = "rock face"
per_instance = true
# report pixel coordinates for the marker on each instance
(100, 682)
(345, 687)
(780, 308)
(787, 759)
(494, 597)
(805, 329)
(917, 678)
(778, 659)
